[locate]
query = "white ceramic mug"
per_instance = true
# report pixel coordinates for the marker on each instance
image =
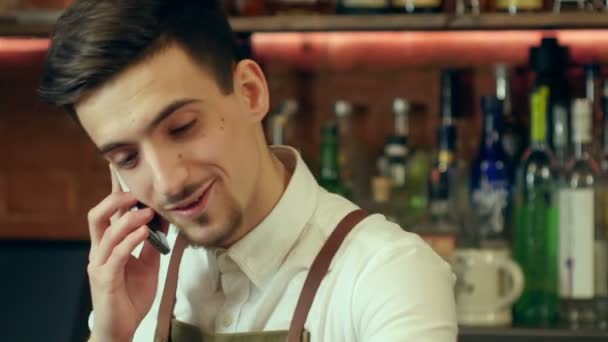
(488, 284)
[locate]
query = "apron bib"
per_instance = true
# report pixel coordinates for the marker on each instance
(171, 330)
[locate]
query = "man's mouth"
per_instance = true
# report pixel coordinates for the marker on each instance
(195, 206)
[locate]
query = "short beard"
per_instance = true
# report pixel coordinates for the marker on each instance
(226, 232)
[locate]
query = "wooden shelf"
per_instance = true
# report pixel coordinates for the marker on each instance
(430, 22)
(40, 23)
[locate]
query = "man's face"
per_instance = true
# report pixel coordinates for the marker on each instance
(183, 147)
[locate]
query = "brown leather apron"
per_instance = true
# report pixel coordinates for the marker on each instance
(169, 329)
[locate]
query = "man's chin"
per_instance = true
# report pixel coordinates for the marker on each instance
(207, 233)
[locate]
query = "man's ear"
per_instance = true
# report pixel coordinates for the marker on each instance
(251, 88)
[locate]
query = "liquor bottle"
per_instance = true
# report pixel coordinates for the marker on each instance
(416, 6)
(549, 61)
(601, 258)
(561, 139)
(512, 139)
(330, 168)
(593, 94)
(396, 152)
(576, 221)
(535, 239)
(601, 236)
(300, 7)
(604, 125)
(518, 6)
(440, 227)
(244, 8)
(382, 203)
(354, 166)
(415, 191)
(491, 179)
(363, 6)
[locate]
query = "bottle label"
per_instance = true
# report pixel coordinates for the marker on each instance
(519, 4)
(416, 3)
(581, 128)
(538, 106)
(365, 3)
(576, 252)
(489, 203)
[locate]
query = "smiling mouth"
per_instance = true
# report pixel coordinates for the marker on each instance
(196, 206)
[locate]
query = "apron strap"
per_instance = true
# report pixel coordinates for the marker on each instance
(167, 302)
(318, 270)
(316, 274)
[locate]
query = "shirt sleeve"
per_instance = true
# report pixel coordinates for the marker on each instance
(405, 293)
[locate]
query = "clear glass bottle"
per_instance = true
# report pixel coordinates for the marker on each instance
(363, 6)
(416, 167)
(601, 236)
(577, 223)
(416, 6)
(513, 137)
(518, 6)
(535, 240)
(604, 149)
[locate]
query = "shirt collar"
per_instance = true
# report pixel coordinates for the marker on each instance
(261, 252)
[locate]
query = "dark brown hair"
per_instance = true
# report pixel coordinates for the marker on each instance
(95, 40)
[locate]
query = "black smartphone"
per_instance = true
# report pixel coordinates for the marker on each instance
(156, 238)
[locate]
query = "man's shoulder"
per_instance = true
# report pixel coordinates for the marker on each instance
(373, 238)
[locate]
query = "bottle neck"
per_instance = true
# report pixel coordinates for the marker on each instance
(492, 130)
(402, 127)
(503, 91)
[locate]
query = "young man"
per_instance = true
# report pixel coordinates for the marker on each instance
(159, 88)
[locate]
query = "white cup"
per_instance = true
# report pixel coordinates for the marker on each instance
(488, 284)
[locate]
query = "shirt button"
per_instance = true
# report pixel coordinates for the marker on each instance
(227, 321)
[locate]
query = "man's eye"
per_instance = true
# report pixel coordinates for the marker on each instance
(128, 161)
(182, 129)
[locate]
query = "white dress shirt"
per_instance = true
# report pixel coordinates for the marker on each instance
(383, 285)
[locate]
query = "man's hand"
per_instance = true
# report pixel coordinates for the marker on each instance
(123, 287)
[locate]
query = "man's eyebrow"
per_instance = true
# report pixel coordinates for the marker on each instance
(162, 114)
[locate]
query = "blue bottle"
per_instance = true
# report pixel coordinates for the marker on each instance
(491, 180)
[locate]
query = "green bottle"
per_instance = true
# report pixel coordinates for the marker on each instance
(536, 234)
(330, 167)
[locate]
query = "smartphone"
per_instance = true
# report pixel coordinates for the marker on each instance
(156, 238)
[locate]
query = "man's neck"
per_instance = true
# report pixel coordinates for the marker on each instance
(273, 180)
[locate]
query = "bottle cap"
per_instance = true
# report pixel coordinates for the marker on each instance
(401, 105)
(343, 108)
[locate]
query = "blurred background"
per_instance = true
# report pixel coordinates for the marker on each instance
(480, 125)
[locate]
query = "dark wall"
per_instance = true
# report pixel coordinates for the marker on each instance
(44, 294)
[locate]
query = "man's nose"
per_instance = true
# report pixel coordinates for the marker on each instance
(170, 173)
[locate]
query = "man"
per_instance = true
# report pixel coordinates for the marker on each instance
(159, 88)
